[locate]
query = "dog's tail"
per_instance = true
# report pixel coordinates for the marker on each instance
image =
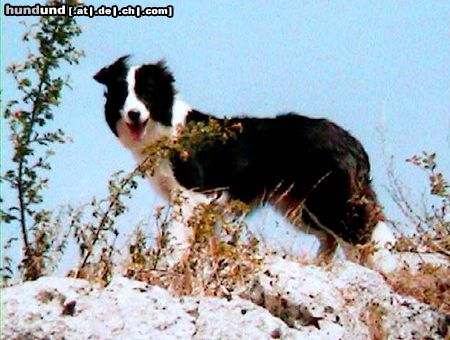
(382, 259)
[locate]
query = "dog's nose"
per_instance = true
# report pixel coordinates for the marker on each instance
(134, 116)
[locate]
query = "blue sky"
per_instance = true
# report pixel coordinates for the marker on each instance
(362, 64)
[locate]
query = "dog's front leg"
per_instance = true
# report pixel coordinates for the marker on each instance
(180, 235)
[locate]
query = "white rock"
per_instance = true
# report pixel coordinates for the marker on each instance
(128, 309)
(125, 309)
(337, 301)
(290, 301)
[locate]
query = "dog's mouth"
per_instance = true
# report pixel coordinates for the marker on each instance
(137, 130)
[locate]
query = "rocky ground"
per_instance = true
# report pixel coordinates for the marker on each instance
(285, 300)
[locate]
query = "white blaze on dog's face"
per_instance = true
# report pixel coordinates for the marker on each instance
(135, 114)
(139, 101)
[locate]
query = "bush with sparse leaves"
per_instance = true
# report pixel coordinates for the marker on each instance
(40, 86)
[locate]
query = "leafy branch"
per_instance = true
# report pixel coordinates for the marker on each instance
(40, 86)
(118, 188)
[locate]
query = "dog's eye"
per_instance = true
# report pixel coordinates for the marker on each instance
(148, 87)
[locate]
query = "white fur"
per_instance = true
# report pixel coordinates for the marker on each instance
(179, 112)
(382, 235)
(132, 102)
(386, 261)
(383, 260)
(180, 234)
(153, 130)
(163, 179)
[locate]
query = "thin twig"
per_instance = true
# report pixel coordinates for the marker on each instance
(139, 169)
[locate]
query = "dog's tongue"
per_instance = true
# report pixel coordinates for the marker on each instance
(137, 130)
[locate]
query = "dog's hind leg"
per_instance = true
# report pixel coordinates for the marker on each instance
(327, 247)
(298, 215)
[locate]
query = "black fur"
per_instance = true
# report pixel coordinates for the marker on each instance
(289, 161)
(311, 170)
(154, 87)
(114, 77)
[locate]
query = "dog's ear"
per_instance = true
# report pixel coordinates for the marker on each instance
(165, 70)
(112, 72)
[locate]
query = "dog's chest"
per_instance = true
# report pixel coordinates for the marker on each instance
(164, 179)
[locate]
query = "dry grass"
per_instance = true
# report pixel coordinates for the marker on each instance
(431, 285)
(223, 255)
(373, 318)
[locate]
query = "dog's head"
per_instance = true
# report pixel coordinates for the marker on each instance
(136, 98)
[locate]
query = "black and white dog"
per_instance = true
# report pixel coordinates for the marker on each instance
(311, 170)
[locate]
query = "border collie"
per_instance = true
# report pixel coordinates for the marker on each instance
(311, 170)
